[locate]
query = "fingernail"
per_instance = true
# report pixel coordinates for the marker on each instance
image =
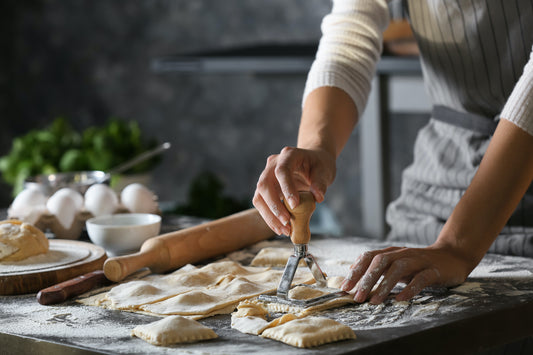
(284, 220)
(359, 297)
(292, 201)
(344, 285)
(375, 300)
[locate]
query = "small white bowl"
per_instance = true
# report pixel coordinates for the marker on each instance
(123, 233)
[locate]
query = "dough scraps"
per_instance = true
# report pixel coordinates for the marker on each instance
(275, 257)
(213, 289)
(309, 331)
(304, 292)
(19, 240)
(251, 318)
(173, 330)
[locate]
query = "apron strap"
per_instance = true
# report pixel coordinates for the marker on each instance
(471, 121)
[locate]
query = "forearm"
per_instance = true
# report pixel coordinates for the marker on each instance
(328, 118)
(503, 177)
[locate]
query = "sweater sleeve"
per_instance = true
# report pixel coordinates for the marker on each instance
(519, 106)
(350, 46)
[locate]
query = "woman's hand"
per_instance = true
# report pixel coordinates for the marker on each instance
(287, 173)
(418, 268)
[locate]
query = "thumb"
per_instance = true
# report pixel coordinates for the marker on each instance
(318, 189)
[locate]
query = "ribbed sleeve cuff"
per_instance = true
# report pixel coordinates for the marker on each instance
(519, 106)
(334, 75)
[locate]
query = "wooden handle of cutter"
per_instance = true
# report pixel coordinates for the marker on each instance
(300, 218)
(190, 245)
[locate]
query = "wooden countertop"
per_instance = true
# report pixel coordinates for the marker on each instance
(494, 306)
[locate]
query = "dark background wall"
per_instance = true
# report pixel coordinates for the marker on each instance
(89, 60)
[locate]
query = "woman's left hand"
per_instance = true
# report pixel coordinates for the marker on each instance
(418, 268)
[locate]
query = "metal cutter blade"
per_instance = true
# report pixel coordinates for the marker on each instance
(281, 295)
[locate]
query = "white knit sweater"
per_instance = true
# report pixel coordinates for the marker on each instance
(351, 44)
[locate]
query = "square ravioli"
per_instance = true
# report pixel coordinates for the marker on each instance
(173, 330)
(309, 332)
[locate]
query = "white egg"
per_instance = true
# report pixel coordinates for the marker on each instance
(100, 199)
(28, 206)
(25, 201)
(63, 207)
(76, 196)
(138, 199)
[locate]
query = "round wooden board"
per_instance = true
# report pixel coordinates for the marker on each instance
(65, 260)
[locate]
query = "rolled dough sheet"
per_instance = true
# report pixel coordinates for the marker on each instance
(215, 288)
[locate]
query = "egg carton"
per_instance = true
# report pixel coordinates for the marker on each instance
(62, 220)
(48, 222)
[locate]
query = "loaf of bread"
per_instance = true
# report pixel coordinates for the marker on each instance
(19, 240)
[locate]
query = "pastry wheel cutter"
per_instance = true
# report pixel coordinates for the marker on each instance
(300, 236)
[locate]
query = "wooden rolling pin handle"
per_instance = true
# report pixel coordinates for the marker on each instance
(150, 255)
(191, 245)
(300, 218)
(67, 289)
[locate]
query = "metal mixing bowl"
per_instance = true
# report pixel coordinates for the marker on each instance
(77, 180)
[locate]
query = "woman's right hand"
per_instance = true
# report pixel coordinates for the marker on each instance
(287, 173)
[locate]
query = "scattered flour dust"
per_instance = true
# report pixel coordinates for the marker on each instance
(335, 258)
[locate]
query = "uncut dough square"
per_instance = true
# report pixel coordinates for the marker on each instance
(309, 332)
(173, 330)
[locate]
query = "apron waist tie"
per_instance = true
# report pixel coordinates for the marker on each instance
(470, 121)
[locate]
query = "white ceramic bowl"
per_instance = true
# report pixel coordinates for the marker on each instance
(123, 233)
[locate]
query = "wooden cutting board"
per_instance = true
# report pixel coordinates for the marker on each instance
(65, 260)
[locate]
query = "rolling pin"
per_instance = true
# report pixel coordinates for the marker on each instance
(190, 245)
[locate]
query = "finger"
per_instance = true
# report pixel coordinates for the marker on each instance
(268, 193)
(271, 220)
(319, 191)
(359, 267)
(423, 279)
(319, 184)
(284, 174)
(380, 263)
(398, 270)
(272, 198)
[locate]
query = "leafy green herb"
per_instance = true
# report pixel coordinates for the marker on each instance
(206, 199)
(60, 148)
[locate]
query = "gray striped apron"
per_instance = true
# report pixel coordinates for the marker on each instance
(472, 54)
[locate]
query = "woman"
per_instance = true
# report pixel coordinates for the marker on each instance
(473, 161)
